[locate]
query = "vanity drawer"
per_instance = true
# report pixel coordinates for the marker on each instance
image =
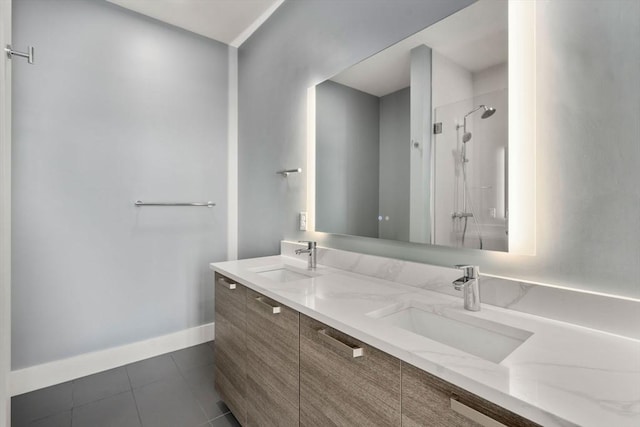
(344, 382)
(427, 401)
(273, 362)
(231, 301)
(231, 348)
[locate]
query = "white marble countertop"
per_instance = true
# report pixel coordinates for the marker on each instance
(562, 375)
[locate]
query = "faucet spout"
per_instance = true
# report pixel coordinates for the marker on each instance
(311, 250)
(460, 283)
(470, 286)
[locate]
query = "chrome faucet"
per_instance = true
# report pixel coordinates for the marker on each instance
(469, 284)
(311, 250)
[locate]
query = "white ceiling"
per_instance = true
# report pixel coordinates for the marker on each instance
(475, 38)
(228, 21)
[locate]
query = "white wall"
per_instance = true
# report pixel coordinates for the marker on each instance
(452, 82)
(490, 79)
(5, 217)
(487, 152)
(588, 200)
(117, 107)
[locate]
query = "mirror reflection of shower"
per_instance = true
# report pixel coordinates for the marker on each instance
(488, 112)
(467, 204)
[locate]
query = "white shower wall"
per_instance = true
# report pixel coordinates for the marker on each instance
(454, 84)
(456, 92)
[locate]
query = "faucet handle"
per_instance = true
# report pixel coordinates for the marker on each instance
(310, 243)
(470, 271)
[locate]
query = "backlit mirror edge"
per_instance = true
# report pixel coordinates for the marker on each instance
(311, 158)
(522, 128)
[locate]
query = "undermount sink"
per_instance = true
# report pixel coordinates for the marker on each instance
(483, 338)
(283, 273)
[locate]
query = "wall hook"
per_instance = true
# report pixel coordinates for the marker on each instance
(29, 54)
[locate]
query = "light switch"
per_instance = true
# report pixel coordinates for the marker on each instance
(303, 221)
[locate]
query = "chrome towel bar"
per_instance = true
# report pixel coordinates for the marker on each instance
(287, 172)
(205, 204)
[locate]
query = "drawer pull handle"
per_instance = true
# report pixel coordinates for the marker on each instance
(474, 415)
(226, 284)
(273, 309)
(340, 347)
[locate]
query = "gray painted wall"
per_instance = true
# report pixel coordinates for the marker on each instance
(347, 157)
(117, 107)
(588, 157)
(395, 145)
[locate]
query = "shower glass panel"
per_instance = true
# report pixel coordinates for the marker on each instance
(470, 185)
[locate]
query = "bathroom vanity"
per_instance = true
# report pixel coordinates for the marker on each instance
(333, 347)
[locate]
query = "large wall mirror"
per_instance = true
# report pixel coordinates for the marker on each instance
(414, 143)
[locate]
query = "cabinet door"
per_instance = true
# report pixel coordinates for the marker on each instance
(231, 359)
(273, 362)
(344, 382)
(427, 401)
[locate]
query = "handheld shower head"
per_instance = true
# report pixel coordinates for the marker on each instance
(466, 137)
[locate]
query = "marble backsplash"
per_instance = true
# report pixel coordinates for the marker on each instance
(614, 315)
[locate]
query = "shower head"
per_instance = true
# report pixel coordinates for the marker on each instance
(488, 112)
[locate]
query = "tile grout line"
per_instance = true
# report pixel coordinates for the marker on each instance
(49, 416)
(228, 410)
(189, 387)
(220, 416)
(182, 375)
(29, 422)
(133, 394)
(153, 381)
(73, 401)
(101, 399)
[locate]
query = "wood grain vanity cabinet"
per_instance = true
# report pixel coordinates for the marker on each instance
(426, 401)
(277, 367)
(345, 382)
(273, 354)
(231, 346)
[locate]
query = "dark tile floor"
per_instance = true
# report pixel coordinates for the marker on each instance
(172, 390)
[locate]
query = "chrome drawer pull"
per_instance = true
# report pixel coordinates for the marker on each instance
(474, 415)
(273, 309)
(226, 284)
(340, 347)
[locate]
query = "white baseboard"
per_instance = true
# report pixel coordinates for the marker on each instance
(59, 371)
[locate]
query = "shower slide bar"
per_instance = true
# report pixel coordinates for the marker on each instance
(205, 204)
